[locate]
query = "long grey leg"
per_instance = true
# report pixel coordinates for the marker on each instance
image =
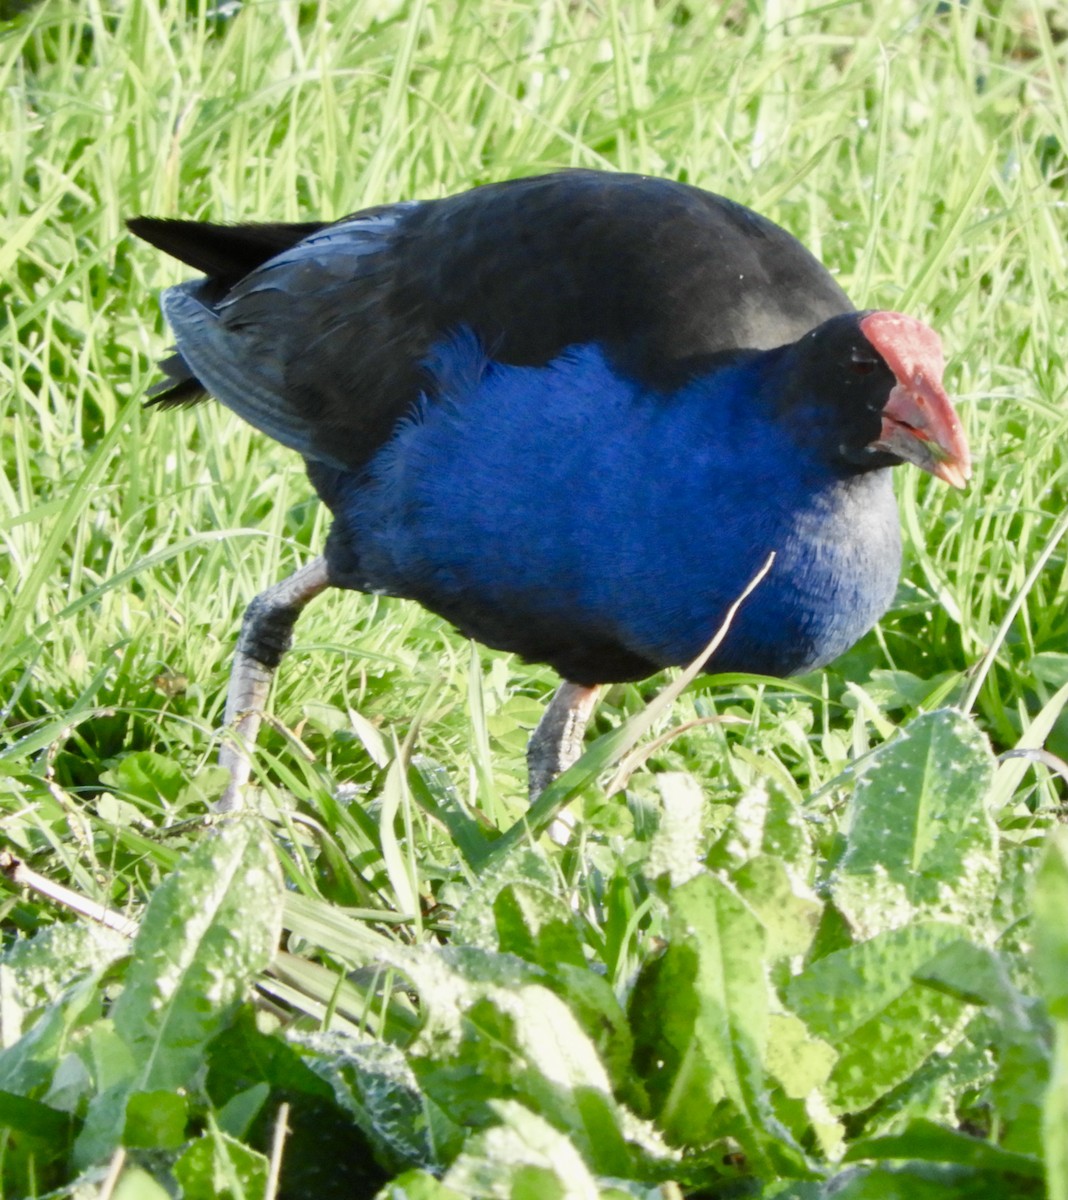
(266, 634)
(556, 744)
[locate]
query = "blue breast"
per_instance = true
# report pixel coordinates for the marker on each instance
(567, 514)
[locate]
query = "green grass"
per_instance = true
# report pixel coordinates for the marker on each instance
(920, 150)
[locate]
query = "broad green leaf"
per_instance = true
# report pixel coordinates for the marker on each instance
(251, 1069)
(800, 1065)
(148, 776)
(864, 1001)
(137, 1184)
(418, 1185)
(1051, 667)
(883, 1053)
(475, 922)
(29, 1065)
(978, 975)
(798, 1060)
(931, 1181)
(515, 909)
(903, 689)
(795, 1191)
(1018, 1033)
(789, 910)
(34, 1119)
(155, 1120)
(529, 1045)
(208, 929)
(766, 848)
(1055, 1118)
(33, 971)
(537, 926)
(766, 820)
(699, 1014)
(71, 1083)
(927, 1141)
(244, 1056)
(104, 1124)
(1051, 924)
(41, 1062)
(919, 839)
(675, 852)
(594, 1005)
(494, 1028)
(218, 1167)
(521, 1158)
(108, 1056)
(238, 1113)
(373, 1082)
(1051, 962)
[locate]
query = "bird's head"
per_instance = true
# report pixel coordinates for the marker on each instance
(882, 373)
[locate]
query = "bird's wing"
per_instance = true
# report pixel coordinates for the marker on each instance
(323, 345)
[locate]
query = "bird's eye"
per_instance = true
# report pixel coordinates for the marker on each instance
(862, 365)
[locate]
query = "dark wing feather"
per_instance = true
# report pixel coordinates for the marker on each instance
(250, 386)
(660, 273)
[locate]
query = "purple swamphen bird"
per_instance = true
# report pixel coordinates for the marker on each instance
(572, 414)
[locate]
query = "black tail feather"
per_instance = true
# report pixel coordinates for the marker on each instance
(225, 253)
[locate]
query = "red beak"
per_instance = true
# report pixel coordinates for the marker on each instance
(920, 424)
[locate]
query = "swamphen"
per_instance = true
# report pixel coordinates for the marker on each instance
(572, 414)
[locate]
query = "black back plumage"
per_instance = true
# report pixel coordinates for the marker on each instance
(326, 326)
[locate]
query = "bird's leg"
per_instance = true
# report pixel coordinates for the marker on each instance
(557, 742)
(266, 634)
